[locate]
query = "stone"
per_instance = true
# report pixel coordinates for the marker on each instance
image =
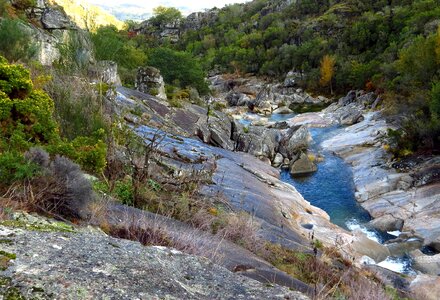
(291, 79)
(237, 99)
(53, 18)
(387, 223)
(349, 98)
(279, 125)
(362, 244)
(264, 107)
(403, 246)
(105, 72)
(427, 264)
(294, 140)
(93, 264)
(278, 160)
(350, 115)
(282, 110)
(259, 141)
(425, 287)
(149, 81)
(366, 100)
(302, 166)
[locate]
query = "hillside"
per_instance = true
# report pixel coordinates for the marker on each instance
(88, 16)
(270, 150)
(390, 47)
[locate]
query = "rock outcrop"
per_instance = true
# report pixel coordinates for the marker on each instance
(149, 81)
(49, 28)
(70, 262)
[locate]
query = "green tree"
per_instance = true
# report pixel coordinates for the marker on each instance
(179, 67)
(112, 44)
(165, 15)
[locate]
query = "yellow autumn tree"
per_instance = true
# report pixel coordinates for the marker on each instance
(327, 71)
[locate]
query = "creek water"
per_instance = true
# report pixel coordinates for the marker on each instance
(332, 189)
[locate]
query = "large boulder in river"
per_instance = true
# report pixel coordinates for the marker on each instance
(259, 141)
(428, 264)
(237, 99)
(216, 130)
(302, 166)
(294, 140)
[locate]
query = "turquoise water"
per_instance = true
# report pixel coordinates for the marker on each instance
(281, 117)
(271, 118)
(332, 189)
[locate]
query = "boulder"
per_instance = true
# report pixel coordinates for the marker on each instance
(279, 125)
(237, 99)
(264, 107)
(149, 81)
(302, 166)
(106, 72)
(349, 98)
(63, 262)
(363, 245)
(350, 115)
(387, 223)
(294, 140)
(278, 160)
(291, 79)
(425, 287)
(367, 99)
(259, 141)
(54, 18)
(428, 264)
(402, 246)
(282, 110)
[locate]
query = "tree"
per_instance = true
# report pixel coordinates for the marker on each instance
(327, 71)
(165, 15)
(179, 67)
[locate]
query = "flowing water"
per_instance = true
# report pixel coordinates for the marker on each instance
(332, 189)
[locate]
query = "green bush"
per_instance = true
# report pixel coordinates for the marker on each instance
(14, 167)
(16, 43)
(26, 116)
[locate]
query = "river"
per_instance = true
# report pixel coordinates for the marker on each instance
(332, 189)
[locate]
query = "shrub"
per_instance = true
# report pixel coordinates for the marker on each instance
(16, 43)
(14, 167)
(26, 114)
(56, 187)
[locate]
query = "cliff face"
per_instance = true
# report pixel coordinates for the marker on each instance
(52, 30)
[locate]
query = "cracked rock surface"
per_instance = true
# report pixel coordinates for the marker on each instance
(87, 264)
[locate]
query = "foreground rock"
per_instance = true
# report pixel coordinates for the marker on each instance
(87, 263)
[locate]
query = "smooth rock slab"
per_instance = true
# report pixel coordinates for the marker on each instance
(96, 266)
